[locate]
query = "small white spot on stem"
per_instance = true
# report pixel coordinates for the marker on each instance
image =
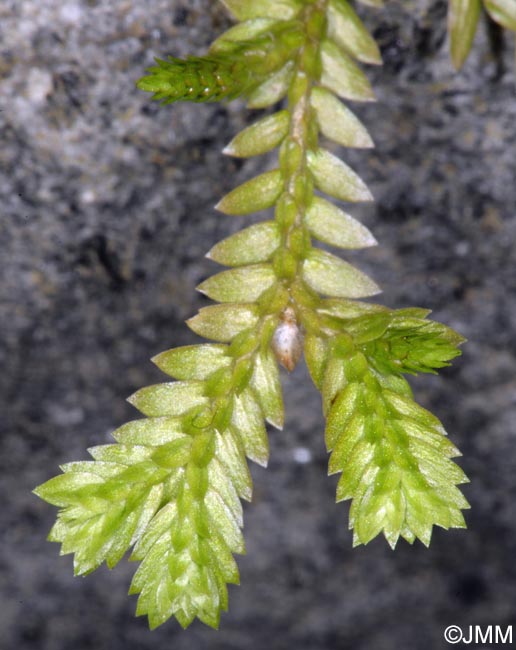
(287, 342)
(302, 455)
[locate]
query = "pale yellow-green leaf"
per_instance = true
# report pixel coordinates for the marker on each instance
(230, 450)
(247, 422)
(503, 12)
(342, 75)
(170, 399)
(174, 454)
(337, 122)
(120, 454)
(331, 276)
(334, 177)
(227, 565)
(377, 4)
(260, 137)
(244, 284)
(57, 490)
(329, 224)
(248, 9)
(316, 352)
(346, 442)
(273, 89)
(193, 361)
(149, 431)
(350, 33)
(343, 423)
(243, 31)
(267, 387)
(161, 522)
(254, 195)
(334, 380)
(249, 246)
(220, 481)
(463, 18)
(407, 408)
(348, 309)
(223, 322)
(226, 522)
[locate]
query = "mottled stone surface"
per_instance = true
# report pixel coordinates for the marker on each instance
(106, 214)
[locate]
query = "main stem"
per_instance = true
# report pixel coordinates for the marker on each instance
(283, 308)
(298, 184)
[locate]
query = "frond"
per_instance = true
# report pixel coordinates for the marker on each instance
(170, 488)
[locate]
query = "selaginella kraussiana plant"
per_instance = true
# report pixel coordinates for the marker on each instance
(170, 487)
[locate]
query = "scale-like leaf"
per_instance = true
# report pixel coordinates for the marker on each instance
(248, 9)
(244, 284)
(503, 12)
(334, 177)
(349, 309)
(170, 399)
(249, 246)
(273, 89)
(260, 137)
(223, 322)
(329, 224)
(149, 432)
(331, 276)
(241, 32)
(193, 361)
(337, 122)
(316, 352)
(463, 18)
(231, 452)
(377, 4)
(254, 195)
(247, 420)
(267, 387)
(342, 75)
(349, 32)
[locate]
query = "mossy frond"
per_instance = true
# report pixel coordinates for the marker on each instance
(170, 487)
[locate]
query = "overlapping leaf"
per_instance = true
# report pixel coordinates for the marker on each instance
(395, 462)
(463, 19)
(171, 486)
(394, 456)
(503, 12)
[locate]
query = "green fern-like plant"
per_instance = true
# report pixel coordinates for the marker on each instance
(170, 488)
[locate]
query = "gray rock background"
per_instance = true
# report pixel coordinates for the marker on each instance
(106, 215)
